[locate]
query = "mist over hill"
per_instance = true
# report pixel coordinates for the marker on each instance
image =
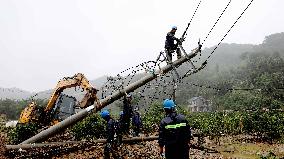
(226, 57)
(19, 94)
(232, 65)
(14, 93)
(75, 92)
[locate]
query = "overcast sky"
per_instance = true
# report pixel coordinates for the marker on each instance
(42, 41)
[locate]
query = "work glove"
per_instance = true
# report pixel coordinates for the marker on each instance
(162, 156)
(108, 145)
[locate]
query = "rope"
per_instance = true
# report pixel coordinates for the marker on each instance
(185, 32)
(217, 21)
(206, 61)
(230, 29)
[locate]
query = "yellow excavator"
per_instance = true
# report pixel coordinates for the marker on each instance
(49, 115)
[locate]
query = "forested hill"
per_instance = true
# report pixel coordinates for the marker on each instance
(273, 43)
(259, 71)
(227, 55)
(230, 55)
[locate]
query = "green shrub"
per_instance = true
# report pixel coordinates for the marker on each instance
(152, 118)
(22, 132)
(92, 127)
(264, 125)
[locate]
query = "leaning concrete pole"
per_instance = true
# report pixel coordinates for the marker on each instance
(106, 101)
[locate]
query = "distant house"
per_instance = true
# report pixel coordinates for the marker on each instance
(12, 123)
(199, 104)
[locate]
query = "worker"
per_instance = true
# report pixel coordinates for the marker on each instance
(170, 45)
(174, 133)
(136, 122)
(110, 130)
(127, 112)
(121, 115)
(122, 122)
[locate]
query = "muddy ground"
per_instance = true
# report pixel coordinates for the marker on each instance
(228, 147)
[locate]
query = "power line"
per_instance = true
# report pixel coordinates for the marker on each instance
(217, 21)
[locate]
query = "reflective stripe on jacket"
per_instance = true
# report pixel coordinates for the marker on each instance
(174, 129)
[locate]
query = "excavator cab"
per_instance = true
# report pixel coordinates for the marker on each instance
(65, 107)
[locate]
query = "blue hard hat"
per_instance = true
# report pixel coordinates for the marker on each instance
(174, 27)
(104, 113)
(121, 113)
(168, 104)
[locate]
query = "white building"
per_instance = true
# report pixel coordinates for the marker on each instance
(199, 104)
(12, 123)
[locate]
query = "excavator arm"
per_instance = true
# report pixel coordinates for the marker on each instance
(68, 82)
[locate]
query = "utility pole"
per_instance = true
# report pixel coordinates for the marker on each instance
(59, 127)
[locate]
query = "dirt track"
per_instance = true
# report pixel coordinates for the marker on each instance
(148, 150)
(2, 144)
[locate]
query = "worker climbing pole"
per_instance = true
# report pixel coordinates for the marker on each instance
(171, 47)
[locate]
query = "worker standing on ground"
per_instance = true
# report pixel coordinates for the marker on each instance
(170, 45)
(136, 122)
(121, 123)
(110, 130)
(174, 133)
(119, 128)
(127, 113)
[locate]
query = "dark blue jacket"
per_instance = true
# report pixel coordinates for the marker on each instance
(127, 110)
(174, 130)
(170, 40)
(110, 130)
(136, 119)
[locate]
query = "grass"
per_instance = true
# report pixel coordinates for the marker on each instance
(250, 150)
